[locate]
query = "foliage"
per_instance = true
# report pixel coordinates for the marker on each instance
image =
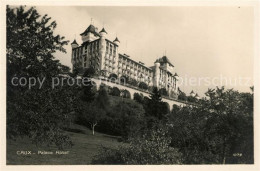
(89, 72)
(112, 77)
(150, 148)
(163, 92)
(216, 129)
(102, 99)
(155, 107)
(88, 91)
(39, 113)
(91, 114)
(191, 99)
(31, 43)
(126, 94)
(133, 82)
(139, 98)
(143, 85)
(126, 118)
(182, 95)
(115, 91)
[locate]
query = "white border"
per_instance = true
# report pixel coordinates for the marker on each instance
(255, 3)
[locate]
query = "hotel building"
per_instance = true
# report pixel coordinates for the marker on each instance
(103, 55)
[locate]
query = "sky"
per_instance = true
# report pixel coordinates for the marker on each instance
(203, 43)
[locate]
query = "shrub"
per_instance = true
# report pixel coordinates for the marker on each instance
(143, 85)
(126, 94)
(138, 97)
(163, 92)
(133, 82)
(182, 96)
(151, 148)
(112, 77)
(115, 91)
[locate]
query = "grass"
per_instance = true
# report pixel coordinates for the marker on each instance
(86, 146)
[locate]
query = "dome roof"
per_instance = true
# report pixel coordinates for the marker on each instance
(103, 30)
(116, 40)
(74, 42)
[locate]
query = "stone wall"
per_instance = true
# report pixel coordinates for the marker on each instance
(135, 90)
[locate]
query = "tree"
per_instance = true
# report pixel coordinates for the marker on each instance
(191, 99)
(102, 100)
(215, 129)
(115, 91)
(31, 44)
(163, 92)
(182, 95)
(139, 98)
(88, 89)
(127, 117)
(152, 147)
(92, 114)
(89, 72)
(155, 107)
(37, 113)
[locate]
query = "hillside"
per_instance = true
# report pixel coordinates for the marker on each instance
(85, 147)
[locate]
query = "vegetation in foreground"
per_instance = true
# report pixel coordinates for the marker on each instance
(215, 130)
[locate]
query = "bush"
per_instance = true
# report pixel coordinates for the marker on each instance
(115, 92)
(143, 85)
(163, 92)
(126, 94)
(89, 72)
(191, 99)
(133, 82)
(182, 96)
(151, 148)
(112, 77)
(138, 97)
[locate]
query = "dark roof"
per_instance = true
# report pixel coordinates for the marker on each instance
(175, 74)
(191, 92)
(111, 42)
(164, 59)
(116, 40)
(91, 29)
(103, 30)
(75, 42)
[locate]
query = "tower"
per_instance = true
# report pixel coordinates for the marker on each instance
(156, 74)
(74, 44)
(102, 49)
(90, 34)
(116, 41)
(192, 94)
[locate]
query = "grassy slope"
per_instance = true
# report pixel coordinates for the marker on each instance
(85, 147)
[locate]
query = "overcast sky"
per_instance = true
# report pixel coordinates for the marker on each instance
(199, 41)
